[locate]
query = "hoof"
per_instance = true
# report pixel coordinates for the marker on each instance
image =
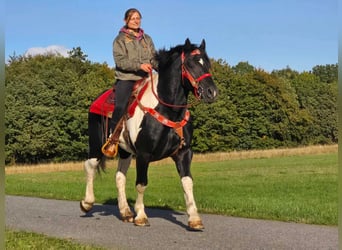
(142, 222)
(196, 225)
(85, 206)
(128, 217)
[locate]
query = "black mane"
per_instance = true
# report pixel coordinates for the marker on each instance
(166, 57)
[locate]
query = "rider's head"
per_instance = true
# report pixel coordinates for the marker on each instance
(132, 18)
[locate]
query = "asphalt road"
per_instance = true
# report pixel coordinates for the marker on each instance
(168, 230)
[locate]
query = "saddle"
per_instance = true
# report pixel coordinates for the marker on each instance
(110, 148)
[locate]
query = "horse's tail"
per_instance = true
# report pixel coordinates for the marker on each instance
(101, 167)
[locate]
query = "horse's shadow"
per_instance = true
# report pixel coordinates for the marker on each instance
(110, 208)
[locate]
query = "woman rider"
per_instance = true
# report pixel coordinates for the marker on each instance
(133, 52)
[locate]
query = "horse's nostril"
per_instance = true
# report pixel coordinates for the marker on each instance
(211, 93)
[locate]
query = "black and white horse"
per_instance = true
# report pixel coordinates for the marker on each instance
(159, 127)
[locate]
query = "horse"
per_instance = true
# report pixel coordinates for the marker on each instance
(160, 127)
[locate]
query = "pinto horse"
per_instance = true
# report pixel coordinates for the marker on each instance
(160, 127)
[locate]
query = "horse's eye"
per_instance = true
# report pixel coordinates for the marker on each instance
(201, 61)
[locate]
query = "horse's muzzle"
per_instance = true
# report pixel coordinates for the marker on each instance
(207, 94)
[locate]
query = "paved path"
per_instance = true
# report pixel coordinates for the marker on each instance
(63, 219)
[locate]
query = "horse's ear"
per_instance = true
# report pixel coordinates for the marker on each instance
(187, 43)
(202, 46)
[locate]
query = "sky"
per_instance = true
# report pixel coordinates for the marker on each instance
(268, 34)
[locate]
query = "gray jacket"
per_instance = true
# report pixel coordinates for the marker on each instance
(129, 53)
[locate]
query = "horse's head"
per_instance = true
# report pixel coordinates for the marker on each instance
(195, 71)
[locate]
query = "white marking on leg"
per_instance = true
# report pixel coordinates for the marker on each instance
(121, 188)
(139, 204)
(90, 169)
(120, 179)
(191, 208)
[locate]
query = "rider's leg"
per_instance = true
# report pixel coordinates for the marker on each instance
(123, 91)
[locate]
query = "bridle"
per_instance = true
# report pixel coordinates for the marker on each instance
(186, 74)
(177, 126)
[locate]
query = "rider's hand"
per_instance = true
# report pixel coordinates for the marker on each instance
(146, 67)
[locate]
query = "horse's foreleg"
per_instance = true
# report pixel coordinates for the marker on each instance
(139, 207)
(194, 220)
(183, 162)
(90, 166)
(120, 178)
(141, 184)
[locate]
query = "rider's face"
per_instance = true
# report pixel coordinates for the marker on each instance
(134, 21)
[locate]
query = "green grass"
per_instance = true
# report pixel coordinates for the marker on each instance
(25, 240)
(294, 188)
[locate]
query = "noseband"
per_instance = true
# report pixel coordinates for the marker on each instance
(186, 74)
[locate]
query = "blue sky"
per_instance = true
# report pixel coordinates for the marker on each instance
(269, 34)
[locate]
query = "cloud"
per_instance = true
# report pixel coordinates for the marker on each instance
(50, 50)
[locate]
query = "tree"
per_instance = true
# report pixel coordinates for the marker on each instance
(47, 100)
(326, 73)
(320, 101)
(77, 53)
(243, 68)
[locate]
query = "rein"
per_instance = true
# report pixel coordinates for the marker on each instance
(164, 103)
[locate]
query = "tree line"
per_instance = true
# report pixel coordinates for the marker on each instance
(48, 96)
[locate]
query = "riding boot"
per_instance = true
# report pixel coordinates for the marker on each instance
(123, 91)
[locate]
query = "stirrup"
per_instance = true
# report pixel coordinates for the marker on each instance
(110, 149)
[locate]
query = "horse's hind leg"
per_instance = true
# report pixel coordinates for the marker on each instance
(90, 167)
(95, 128)
(120, 178)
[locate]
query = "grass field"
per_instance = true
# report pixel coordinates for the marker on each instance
(223, 156)
(281, 186)
(26, 240)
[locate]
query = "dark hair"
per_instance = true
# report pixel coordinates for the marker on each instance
(130, 12)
